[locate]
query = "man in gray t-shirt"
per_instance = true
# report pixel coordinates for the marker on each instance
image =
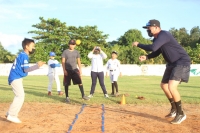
(70, 59)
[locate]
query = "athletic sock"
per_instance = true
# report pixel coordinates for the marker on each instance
(179, 107)
(113, 91)
(116, 85)
(81, 89)
(66, 90)
(171, 100)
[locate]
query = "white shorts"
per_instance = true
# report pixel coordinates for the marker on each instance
(114, 76)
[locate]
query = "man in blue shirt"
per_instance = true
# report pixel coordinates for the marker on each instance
(177, 68)
(20, 69)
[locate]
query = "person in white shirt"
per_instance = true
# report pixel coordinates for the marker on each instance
(53, 74)
(113, 68)
(97, 69)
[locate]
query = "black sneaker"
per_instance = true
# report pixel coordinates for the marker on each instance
(178, 119)
(112, 94)
(172, 113)
(86, 98)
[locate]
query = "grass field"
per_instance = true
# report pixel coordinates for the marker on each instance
(147, 86)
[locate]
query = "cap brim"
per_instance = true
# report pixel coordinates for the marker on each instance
(145, 27)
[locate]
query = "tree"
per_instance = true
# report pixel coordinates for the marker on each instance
(181, 36)
(54, 35)
(195, 33)
(90, 36)
(129, 54)
(194, 54)
(194, 36)
(51, 36)
(6, 56)
(131, 36)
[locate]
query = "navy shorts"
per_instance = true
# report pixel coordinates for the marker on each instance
(73, 75)
(176, 72)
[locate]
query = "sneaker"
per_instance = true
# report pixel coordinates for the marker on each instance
(60, 93)
(85, 98)
(67, 100)
(106, 96)
(13, 119)
(90, 96)
(117, 94)
(49, 93)
(172, 113)
(178, 119)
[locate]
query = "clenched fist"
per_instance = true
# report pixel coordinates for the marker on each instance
(135, 44)
(142, 58)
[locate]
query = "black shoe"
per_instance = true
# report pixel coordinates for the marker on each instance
(178, 119)
(172, 113)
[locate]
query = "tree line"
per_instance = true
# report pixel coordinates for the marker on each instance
(53, 35)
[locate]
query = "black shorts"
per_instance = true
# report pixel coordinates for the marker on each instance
(176, 72)
(73, 75)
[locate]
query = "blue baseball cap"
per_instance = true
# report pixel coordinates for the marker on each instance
(52, 54)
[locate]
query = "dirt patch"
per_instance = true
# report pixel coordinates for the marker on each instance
(57, 118)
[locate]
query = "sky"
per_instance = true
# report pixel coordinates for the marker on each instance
(113, 17)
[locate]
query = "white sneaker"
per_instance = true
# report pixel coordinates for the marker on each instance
(13, 119)
(67, 100)
(90, 96)
(106, 95)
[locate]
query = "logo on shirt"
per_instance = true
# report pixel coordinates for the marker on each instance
(25, 61)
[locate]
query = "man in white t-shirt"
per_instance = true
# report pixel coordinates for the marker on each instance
(53, 74)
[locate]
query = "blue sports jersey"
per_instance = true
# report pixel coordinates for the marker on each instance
(17, 70)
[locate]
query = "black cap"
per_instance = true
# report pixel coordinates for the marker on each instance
(115, 52)
(73, 42)
(152, 22)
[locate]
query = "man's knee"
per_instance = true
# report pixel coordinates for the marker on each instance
(164, 86)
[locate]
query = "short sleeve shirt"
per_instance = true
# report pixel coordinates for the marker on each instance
(70, 59)
(113, 65)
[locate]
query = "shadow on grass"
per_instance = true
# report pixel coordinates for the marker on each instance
(114, 101)
(40, 91)
(188, 86)
(191, 97)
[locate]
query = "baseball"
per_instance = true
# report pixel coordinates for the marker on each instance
(78, 42)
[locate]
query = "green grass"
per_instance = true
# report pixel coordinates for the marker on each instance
(147, 86)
